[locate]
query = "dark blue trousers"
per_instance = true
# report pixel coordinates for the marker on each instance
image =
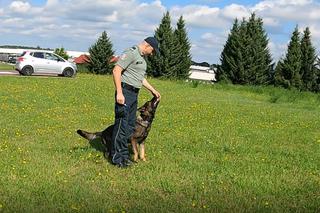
(125, 119)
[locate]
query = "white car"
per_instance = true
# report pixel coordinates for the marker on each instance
(44, 62)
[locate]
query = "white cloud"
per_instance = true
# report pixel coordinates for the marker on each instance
(52, 3)
(235, 11)
(200, 16)
(113, 17)
(10, 21)
(278, 49)
(271, 22)
(19, 6)
(77, 24)
(289, 10)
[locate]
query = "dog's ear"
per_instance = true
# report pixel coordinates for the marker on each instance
(155, 101)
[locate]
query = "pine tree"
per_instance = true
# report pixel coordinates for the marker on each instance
(308, 59)
(100, 55)
(163, 63)
(316, 87)
(183, 45)
(229, 56)
(246, 58)
(258, 62)
(288, 75)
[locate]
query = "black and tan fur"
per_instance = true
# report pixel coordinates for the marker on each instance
(142, 129)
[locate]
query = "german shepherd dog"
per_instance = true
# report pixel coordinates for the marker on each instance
(142, 129)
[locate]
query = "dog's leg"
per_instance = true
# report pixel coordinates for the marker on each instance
(142, 152)
(135, 149)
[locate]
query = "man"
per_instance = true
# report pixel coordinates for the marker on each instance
(129, 76)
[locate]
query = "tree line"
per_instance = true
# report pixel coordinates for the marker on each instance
(173, 61)
(245, 58)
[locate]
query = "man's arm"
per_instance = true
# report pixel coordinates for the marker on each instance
(148, 86)
(117, 70)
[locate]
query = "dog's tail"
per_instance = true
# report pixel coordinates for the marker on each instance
(89, 135)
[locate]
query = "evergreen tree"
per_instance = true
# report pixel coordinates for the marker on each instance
(164, 63)
(258, 62)
(316, 87)
(182, 67)
(100, 55)
(61, 52)
(246, 58)
(308, 62)
(229, 56)
(288, 74)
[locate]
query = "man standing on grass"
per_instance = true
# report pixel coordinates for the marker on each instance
(129, 76)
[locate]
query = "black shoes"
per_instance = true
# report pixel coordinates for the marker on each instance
(125, 163)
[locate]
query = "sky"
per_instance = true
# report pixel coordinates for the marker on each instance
(77, 24)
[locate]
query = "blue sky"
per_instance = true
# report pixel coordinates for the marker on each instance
(76, 24)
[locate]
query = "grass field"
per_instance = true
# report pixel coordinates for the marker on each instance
(4, 66)
(218, 148)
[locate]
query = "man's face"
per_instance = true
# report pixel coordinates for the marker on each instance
(149, 50)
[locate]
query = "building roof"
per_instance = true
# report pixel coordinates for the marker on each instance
(202, 73)
(82, 59)
(114, 59)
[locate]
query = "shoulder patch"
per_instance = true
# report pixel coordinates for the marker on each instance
(133, 48)
(123, 56)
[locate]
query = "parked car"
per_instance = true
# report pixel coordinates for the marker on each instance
(12, 59)
(44, 62)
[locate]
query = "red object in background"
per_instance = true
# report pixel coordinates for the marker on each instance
(82, 59)
(114, 59)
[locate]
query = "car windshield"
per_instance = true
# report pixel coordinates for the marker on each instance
(54, 57)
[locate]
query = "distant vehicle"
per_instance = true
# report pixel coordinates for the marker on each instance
(43, 62)
(12, 60)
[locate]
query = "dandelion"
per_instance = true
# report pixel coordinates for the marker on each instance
(74, 207)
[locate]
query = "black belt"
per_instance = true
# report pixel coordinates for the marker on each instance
(129, 87)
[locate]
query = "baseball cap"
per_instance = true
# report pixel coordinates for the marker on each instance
(153, 43)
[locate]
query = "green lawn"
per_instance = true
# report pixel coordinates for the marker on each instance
(4, 66)
(211, 149)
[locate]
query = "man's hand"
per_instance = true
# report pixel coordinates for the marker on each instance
(154, 92)
(117, 70)
(120, 98)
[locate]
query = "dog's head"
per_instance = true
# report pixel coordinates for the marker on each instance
(148, 110)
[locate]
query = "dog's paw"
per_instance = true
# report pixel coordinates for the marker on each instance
(135, 158)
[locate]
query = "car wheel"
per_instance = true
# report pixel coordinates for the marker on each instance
(27, 70)
(68, 72)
